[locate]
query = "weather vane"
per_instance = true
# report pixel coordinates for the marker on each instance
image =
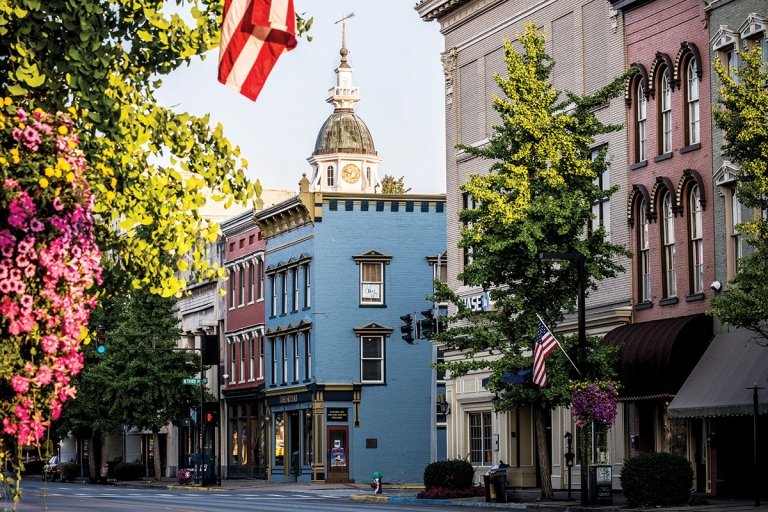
(344, 28)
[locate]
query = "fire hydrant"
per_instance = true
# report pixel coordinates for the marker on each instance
(376, 484)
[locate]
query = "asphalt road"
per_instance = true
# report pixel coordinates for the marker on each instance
(70, 497)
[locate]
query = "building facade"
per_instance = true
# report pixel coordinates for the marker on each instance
(341, 271)
(721, 395)
(585, 39)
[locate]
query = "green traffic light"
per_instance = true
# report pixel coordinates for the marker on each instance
(101, 349)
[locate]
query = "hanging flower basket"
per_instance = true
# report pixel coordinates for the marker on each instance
(594, 402)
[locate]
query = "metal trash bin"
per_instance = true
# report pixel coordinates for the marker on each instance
(495, 480)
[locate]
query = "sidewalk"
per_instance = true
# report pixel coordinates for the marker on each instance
(518, 499)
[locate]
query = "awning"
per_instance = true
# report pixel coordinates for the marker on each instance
(656, 357)
(718, 386)
(518, 377)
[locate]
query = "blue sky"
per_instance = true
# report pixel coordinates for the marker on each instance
(396, 61)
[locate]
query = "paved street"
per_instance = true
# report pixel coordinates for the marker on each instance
(249, 495)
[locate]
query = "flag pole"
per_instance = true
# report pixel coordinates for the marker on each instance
(558, 344)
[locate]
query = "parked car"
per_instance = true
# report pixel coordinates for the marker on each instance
(52, 470)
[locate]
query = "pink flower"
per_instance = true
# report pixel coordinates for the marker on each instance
(20, 384)
(44, 376)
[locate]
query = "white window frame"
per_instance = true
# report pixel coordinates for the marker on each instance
(601, 209)
(273, 377)
(668, 242)
(307, 285)
(252, 356)
(330, 176)
(480, 437)
(232, 284)
(284, 350)
(251, 282)
(696, 219)
(641, 123)
(307, 355)
(273, 305)
(369, 286)
(284, 284)
(692, 100)
(296, 354)
(665, 114)
(371, 360)
(261, 355)
(295, 277)
(644, 252)
(241, 357)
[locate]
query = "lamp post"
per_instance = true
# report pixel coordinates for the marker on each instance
(582, 277)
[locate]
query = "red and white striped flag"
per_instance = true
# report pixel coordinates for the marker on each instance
(545, 344)
(254, 33)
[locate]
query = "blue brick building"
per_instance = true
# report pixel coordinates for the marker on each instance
(347, 396)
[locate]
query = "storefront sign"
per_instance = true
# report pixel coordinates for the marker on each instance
(479, 302)
(287, 399)
(337, 414)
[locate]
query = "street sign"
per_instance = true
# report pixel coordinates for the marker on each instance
(194, 381)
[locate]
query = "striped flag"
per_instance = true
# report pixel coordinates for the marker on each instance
(254, 33)
(544, 346)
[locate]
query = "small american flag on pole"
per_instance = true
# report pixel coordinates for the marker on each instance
(545, 344)
(254, 33)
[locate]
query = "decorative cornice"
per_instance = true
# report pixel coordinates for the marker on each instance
(372, 329)
(635, 191)
(372, 256)
(688, 176)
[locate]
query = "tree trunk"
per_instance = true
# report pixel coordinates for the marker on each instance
(545, 468)
(156, 444)
(92, 474)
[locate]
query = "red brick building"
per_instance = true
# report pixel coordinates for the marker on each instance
(670, 216)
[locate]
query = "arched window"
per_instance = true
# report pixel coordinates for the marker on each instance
(665, 113)
(641, 114)
(643, 253)
(668, 243)
(696, 243)
(692, 125)
(329, 176)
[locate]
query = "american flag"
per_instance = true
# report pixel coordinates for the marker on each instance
(544, 346)
(254, 33)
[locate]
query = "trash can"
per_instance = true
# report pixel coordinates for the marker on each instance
(499, 483)
(495, 481)
(489, 494)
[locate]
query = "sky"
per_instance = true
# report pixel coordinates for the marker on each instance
(395, 58)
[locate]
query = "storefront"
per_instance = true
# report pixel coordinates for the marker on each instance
(246, 435)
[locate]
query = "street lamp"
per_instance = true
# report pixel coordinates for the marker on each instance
(579, 258)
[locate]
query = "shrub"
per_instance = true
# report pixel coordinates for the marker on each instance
(70, 470)
(129, 470)
(449, 474)
(656, 479)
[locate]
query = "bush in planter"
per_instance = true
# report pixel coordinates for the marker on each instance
(70, 471)
(129, 471)
(656, 479)
(449, 474)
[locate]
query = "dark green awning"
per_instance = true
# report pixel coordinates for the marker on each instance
(720, 384)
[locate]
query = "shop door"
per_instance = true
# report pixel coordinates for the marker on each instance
(338, 455)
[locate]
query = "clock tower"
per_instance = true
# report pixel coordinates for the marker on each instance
(344, 158)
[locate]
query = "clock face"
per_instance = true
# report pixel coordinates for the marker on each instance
(350, 173)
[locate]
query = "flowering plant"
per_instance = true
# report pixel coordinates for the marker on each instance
(185, 475)
(49, 264)
(594, 402)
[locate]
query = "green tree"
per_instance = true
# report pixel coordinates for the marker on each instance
(103, 61)
(537, 197)
(391, 185)
(743, 116)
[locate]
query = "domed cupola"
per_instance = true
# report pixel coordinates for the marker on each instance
(344, 132)
(344, 158)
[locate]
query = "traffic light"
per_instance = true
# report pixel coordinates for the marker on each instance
(407, 327)
(101, 340)
(427, 325)
(211, 414)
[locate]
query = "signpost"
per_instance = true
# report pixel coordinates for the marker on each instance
(194, 381)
